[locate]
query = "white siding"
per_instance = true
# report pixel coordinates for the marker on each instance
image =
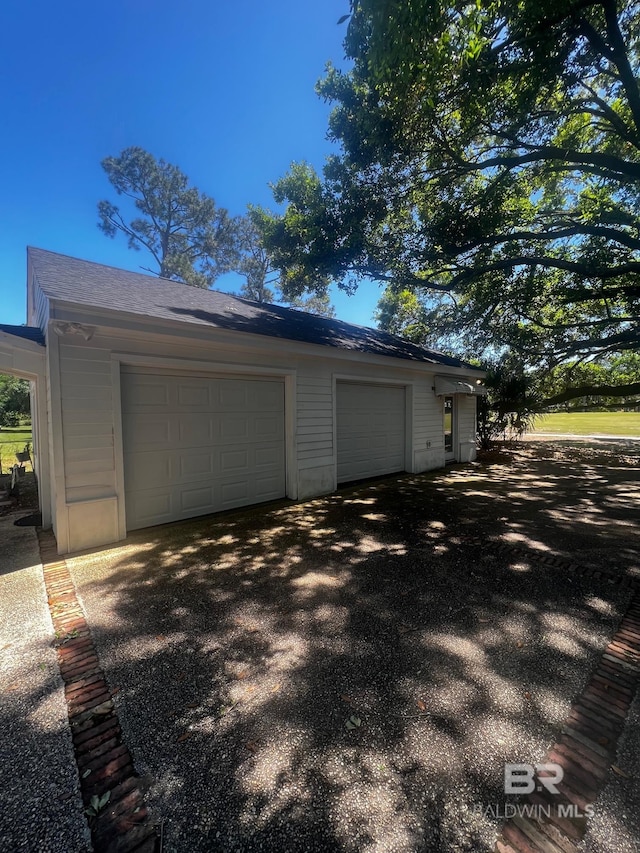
(40, 316)
(90, 395)
(87, 422)
(467, 407)
(466, 418)
(314, 417)
(428, 416)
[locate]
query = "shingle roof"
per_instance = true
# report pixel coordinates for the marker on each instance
(31, 333)
(97, 286)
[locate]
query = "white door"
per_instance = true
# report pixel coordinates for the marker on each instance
(370, 430)
(195, 445)
(449, 428)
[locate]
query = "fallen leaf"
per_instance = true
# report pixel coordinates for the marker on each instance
(527, 695)
(421, 705)
(484, 621)
(619, 772)
(184, 737)
(276, 688)
(519, 644)
(348, 700)
(193, 705)
(242, 675)
(603, 741)
(252, 746)
(160, 637)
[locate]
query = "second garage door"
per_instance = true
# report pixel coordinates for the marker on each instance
(370, 430)
(195, 445)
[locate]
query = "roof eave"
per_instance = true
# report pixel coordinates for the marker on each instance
(59, 309)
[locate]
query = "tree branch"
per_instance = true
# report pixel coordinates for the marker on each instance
(548, 152)
(621, 60)
(547, 262)
(592, 391)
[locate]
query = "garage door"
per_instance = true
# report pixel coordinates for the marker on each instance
(370, 430)
(195, 445)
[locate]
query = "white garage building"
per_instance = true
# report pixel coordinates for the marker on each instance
(154, 401)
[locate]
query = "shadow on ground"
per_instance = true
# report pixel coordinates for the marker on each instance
(349, 673)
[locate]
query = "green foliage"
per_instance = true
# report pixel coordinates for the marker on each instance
(189, 238)
(263, 282)
(315, 303)
(508, 410)
(488, 174)
(593, 378)
(14, 400)
(97, 804)
(253, 259)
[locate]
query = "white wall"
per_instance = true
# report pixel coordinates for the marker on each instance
(467, 407)
(91, 490)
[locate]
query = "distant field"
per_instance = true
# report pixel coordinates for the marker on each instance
(13, 439)
(590, 423)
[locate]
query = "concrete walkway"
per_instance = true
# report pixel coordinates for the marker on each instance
(39, 787)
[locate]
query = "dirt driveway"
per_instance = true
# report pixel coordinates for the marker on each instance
(352, 673)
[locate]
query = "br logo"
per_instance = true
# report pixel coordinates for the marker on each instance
(525, 778)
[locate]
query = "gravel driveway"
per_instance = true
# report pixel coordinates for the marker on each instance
(350, 674)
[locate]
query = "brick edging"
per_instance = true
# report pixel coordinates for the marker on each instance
(585, 750)
(553, 561)
(103, 759)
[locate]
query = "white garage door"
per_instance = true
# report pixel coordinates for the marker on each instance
(195, 445)
(370, 430)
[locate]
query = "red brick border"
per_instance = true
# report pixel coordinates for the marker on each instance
(104, 762)
(585, 749)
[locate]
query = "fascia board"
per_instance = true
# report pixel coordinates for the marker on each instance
(115, 321)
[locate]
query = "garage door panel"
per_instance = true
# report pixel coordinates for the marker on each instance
(196, 429)
(196, 465)
(196, 499)
(195, 445)
(267, 488)
(148, 470)
(194, 395)
(267, 429)
(141, 431)
(233, 492)
(236, 461)
(269, 457)
(152, 394)
(147, 507)
(233, 428)
(370, 430)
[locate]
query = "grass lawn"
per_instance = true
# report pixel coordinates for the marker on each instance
(13, 439)
(590, 423)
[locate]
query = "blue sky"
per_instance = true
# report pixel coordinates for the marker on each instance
(223, 90)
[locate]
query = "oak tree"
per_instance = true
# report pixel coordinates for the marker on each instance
(488, 175)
